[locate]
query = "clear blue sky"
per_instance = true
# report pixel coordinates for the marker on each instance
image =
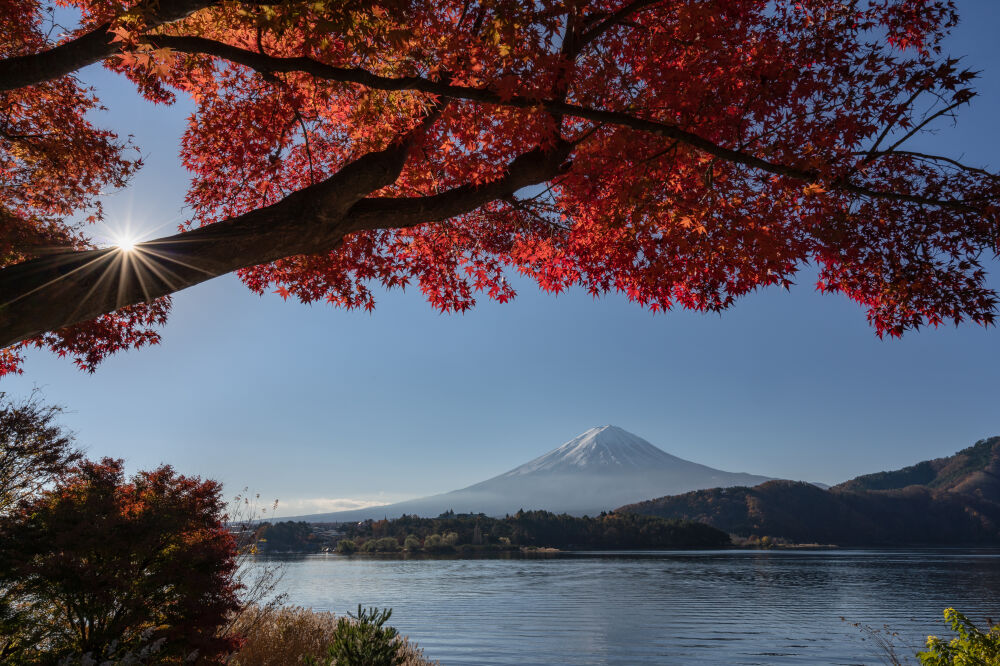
(314, 405)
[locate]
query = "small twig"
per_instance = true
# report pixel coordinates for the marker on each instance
(305, 137)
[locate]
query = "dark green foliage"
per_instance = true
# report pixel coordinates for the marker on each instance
(364, 640)
(346, 546)
(383, 545)
(286, 536)
(538, 529)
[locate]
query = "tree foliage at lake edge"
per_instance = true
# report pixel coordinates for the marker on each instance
(525, 529)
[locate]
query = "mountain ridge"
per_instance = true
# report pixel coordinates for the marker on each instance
(976, 468)
(946, 501)
(595, 471)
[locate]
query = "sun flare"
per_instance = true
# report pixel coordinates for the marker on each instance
(126, 242)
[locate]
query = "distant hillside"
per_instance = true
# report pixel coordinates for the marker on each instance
(954, 500)
(975, 470)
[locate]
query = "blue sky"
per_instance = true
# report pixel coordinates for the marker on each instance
(322, 408)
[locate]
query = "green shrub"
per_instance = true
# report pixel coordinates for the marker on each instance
(289, 636)
(383, 545)
(412, 543)
(346, 547)
(971, 646)
(364, 640)
(440, 542)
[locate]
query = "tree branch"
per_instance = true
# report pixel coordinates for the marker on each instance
(531, 168)
(53, 292)
(63, 59)
(91, 47)
(930, 158)
(614, 19)
(271, 64)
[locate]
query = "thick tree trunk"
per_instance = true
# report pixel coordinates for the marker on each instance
(63, 289)
(52, 292)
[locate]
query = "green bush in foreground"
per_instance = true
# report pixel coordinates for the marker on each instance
(288, 636)
(363, 640)
(971, 646)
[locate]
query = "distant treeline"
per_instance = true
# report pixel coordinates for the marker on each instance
(540, 529)
(288, 536)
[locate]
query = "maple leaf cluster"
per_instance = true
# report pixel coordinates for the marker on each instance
(681, 153)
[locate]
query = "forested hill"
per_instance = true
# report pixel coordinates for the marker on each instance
(974, 470)
(954, 500)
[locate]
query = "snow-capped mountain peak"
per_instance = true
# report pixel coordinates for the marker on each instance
(598, 470)
(604, 448)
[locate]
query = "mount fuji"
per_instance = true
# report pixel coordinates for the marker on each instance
(596, 471)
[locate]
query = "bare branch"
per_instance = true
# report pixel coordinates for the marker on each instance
(616, 18)
(932, 158)
(919, 126)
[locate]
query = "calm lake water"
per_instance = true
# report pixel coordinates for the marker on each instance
(635, 608)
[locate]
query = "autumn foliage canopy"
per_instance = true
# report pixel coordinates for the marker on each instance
(683, 152)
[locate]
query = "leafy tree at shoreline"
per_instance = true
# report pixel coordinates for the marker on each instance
(104, 564)
(681, 153)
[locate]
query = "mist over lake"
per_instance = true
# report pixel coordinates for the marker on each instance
(666, 607)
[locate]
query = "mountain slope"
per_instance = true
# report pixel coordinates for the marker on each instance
(972, 470)
(596, 471)
(953, 500)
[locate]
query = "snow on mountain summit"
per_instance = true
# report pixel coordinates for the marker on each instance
(600, 448)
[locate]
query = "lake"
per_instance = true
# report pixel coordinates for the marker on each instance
(677, 607)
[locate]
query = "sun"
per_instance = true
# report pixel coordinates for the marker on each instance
(126, 243)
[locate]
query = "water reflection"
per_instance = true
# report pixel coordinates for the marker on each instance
(712, 607)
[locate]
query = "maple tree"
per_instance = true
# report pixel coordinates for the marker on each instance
(101, 565)
(683, 152)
